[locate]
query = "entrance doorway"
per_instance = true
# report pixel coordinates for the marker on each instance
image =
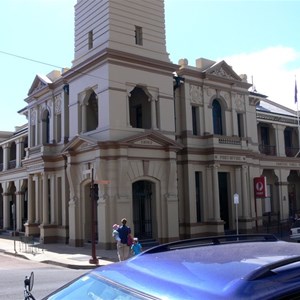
(143, 193)
(223, 196)
(90, 213)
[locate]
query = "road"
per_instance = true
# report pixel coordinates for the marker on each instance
(46, 277)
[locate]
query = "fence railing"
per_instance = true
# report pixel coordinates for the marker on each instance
(30, 244)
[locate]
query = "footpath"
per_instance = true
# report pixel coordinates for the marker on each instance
(57, 254)
(65, 255)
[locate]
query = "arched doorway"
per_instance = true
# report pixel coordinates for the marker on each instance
(89, 213)
(143, 208)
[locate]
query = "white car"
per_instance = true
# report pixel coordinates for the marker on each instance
(295, 230)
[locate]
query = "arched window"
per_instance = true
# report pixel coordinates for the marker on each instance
(46, 127)
(92, 112)
(140, 109)
(217, 117)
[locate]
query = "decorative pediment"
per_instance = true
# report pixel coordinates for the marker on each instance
(222, 69)
(151, 139)
(80, 143)
(38, 84)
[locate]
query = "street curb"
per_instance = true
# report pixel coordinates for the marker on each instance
(14, 254)
(69, 266)
(56, 263)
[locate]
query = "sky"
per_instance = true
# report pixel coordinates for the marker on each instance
(258, 38)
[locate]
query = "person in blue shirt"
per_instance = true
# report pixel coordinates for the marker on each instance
(136, 247)
(123, 247)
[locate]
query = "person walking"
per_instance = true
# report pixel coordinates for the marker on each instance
(136, 247)
(124, 249)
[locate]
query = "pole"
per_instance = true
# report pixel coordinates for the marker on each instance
(296, 98)
(237, 219)
(298, 121)
(94, 259)
(236, 202)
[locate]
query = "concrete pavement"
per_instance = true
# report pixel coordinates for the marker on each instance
(57, 254)
(65, 255)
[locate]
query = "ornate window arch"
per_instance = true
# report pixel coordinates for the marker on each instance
(90, 110)
(45, 123)
(218, 116)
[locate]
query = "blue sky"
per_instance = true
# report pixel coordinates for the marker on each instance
(257, 38)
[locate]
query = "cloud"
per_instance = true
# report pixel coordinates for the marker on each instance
(272, 71)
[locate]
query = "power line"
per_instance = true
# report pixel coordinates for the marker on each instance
(59, 67)
(29, 59)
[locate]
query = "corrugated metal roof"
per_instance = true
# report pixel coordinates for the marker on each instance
(272, 107)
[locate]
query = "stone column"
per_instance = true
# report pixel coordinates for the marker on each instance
(216, 200)
(19, 211)
(64, 201)
(19, 150)
(207, 116)
(52, 136)
(37, 199)
(6, 210)
(64, 116)
(153, 114)
(53, 197)
(280, 143)
(83, 118)
(6, 156)
(209, 202)
(283, 193)
(234, 120)
(45, 200)
(153, 98)
(30, 201)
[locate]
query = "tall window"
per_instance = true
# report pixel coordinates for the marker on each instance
(240, 121)
(288, 137)
(140, 109)
(46, 127)
(138, 35)
(12, 155)
(195, 120)
(90, 39)
(198, 180)
(265, 135)
(92, 112)
(33, 135)
(217, 117)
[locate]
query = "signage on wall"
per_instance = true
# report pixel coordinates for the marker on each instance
(260, 187)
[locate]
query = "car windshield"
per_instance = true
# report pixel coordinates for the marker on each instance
(94, 287)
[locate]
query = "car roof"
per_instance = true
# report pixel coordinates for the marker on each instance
(213, 269)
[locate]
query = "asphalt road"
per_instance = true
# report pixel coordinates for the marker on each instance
(46, 277)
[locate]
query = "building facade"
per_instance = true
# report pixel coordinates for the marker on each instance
(164, 145)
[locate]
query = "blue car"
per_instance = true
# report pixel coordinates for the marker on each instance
(226, 267)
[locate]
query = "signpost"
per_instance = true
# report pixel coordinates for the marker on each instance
(236, 202)
(93, 196)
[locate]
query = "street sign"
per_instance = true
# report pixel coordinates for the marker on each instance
(260, 187)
